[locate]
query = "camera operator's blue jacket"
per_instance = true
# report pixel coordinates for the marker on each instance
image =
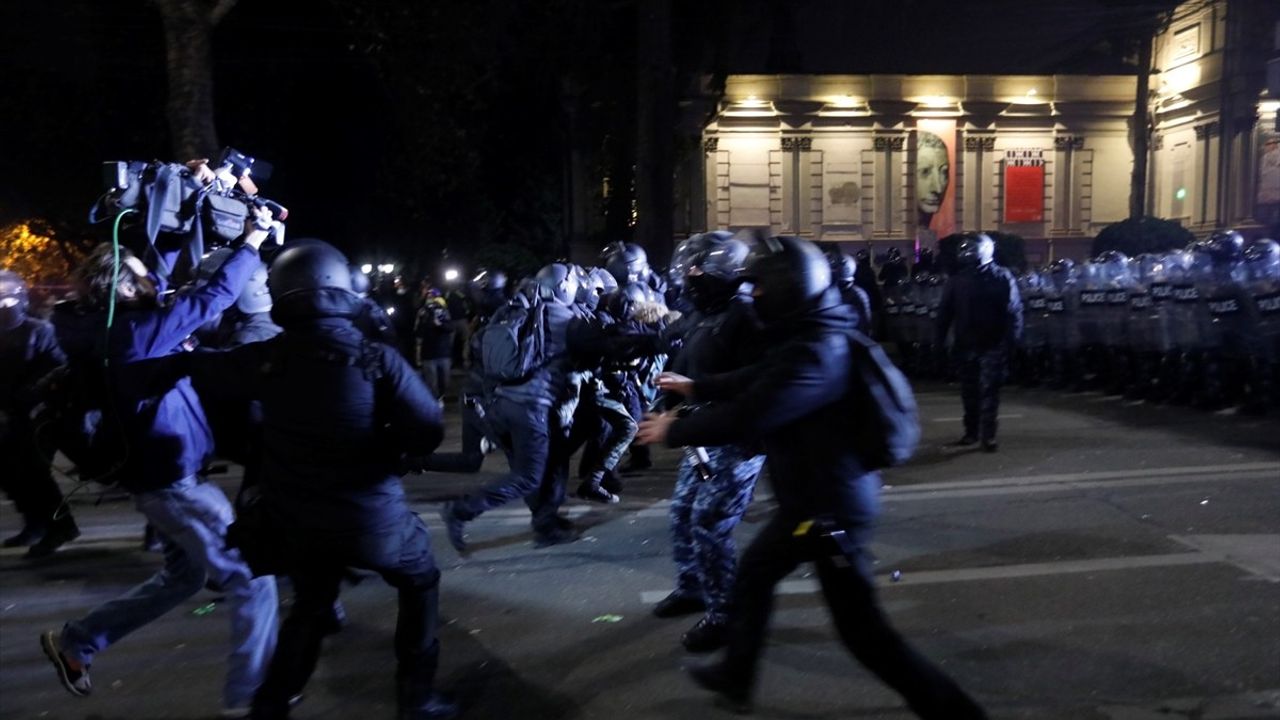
(339, 413)
(793, 401)
(167, 433)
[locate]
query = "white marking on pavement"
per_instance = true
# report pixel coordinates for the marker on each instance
(1255, 554)
(1260, 705)
(1211, 549)
(959, 418)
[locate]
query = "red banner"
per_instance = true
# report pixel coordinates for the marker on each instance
(1024, 186)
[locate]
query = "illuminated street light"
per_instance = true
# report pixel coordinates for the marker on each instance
(451, 275)
(366, 268)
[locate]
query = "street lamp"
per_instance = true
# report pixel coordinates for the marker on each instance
(366, 268)
(451, 275)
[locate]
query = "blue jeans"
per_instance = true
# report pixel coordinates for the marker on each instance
(193, 518)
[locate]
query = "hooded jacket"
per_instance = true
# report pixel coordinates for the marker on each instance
(793, 402)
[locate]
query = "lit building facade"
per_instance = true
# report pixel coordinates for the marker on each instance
(894, 160)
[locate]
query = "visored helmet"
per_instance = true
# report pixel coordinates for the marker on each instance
(975, 249)
(1225, 246)
(626, 262)
(311, 279)
(710, 267)
(15, 301)
(1113, 266)
(1263, 260)
(604, 280)
(843, 267)
(789, 276)
(715, 253)
(557, 282)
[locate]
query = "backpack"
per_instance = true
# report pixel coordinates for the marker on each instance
(513, 343)
(887, 422)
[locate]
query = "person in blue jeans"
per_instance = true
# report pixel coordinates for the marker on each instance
(167, 441)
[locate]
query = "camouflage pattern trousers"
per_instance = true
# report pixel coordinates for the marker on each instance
(703, 516)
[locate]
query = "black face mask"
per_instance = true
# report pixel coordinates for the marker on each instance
(710, 294)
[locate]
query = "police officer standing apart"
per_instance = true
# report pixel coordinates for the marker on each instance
(340, 412)
(793, 402)
(983, 304)
(28, 351)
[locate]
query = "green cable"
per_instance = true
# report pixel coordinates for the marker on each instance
(115, 279)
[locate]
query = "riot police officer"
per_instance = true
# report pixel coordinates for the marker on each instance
(28, 352)
(1233, 325)
(1061, 303)
(522, 415)
(331, 487)
(711, 495)
(844, 271)
(789, 401)
(1262, 260)
(983, 303)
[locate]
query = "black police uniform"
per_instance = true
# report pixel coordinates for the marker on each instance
(28, 352)
(791, 401)
(340, 412)
(984, 305)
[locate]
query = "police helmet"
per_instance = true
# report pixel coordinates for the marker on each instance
(604, 279)
(14, 300)
(1263, 260)
(1263, 251)
(715, 253)
(843, 266)
(557, 282)
(627, 262)
(309, 265)
(975, 249)
(360, 282)
(311, 279)
(789, 275)
(1225, 246)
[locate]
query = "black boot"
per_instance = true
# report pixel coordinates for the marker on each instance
(731, 695)
(706, 636)
(29, 535)
(61, 531)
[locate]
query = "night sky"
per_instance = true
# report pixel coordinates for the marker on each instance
(444, 129)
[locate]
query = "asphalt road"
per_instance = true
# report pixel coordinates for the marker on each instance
(1112, 561)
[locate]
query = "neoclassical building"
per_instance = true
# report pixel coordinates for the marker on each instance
(905, 159)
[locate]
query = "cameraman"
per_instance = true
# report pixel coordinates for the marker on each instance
(166, 442)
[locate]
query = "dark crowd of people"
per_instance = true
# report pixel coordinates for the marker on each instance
(328, 391)
(744, 353)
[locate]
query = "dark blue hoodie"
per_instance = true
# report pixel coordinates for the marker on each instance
(168, 436)
(793, 401)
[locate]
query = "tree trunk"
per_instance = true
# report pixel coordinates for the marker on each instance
(655, 131)
(1141, 131)
(188, 35)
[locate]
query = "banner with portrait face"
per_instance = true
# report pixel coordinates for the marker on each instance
(935, 194)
